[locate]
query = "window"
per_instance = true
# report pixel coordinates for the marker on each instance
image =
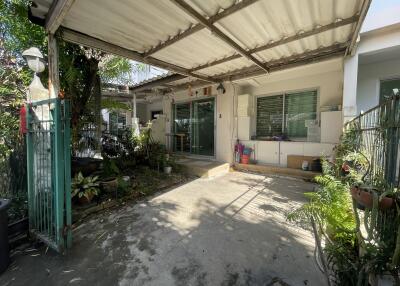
(388, 88)
(299, 107)
(269, 116)
(286, 114)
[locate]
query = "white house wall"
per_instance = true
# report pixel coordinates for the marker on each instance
(224, 117)
(153, 106)
(361, 80)
(369, 77)
(326, 77)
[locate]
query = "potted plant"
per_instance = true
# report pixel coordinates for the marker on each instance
(84, 188)
(167, 166)
(364, 197)
(110, 172)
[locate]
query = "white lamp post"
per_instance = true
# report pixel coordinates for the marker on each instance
(36, 63)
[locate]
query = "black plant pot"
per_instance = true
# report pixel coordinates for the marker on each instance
(4, 246)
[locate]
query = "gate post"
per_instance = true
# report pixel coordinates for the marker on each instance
(67, 173)
(59, 175)
(29, 169)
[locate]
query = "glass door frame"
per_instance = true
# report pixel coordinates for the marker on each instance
(191, 101)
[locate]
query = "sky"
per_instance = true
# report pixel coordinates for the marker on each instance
(382, 13)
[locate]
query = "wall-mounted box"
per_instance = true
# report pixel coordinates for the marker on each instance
(245, 105)
(244, 127)
(331, 126)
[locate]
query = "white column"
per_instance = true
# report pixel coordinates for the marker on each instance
(134, 105)
(54, 80)
(135, 120)
(350, 88)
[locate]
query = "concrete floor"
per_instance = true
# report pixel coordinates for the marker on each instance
(230, 230)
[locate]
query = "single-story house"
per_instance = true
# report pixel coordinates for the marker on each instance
(280, 76)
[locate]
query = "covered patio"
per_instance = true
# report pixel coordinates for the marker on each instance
(216, 51)
(230, 230)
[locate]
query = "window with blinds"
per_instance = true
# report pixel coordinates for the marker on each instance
(286, 114)
(269, 116)
(299, 107)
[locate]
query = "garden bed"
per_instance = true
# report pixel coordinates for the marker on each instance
(144, 182)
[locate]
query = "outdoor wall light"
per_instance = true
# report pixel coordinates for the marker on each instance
(221, 88)
(35, 61)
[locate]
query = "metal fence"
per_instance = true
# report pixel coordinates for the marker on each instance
(377, 133)
(49, 172)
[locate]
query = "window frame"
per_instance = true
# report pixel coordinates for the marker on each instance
(390, 78)
(284, 93)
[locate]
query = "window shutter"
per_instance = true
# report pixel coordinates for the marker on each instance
(299, 107)
(269, 116)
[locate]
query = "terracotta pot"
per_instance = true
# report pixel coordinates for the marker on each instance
(84, 200)
(365, 198)
(109, 185)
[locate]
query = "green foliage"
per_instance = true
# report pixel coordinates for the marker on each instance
(114, 105)
(17, 32)
(9, 127)
(123, 187)
(330, 205)
(118, 70)
(357, 243)
(110, 168)
(16, 35)
(84, 186)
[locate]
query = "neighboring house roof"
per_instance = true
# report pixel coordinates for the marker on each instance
(380, 29)
(209, 40)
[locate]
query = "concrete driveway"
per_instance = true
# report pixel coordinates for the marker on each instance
(229, 230)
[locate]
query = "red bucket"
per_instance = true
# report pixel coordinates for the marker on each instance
(244, 159)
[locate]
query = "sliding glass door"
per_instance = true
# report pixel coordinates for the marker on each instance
(182, 127)
(194, 127)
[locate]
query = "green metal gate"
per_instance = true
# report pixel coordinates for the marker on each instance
(49, 172)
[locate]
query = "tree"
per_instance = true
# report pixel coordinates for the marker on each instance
(16, 35)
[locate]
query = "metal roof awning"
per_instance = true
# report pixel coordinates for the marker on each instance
(208, 41)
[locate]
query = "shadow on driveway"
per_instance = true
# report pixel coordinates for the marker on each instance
(229, 230)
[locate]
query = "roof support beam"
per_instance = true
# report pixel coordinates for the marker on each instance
(320, 29)
(86, 40)
(363, 13)
(217, 32)
(56, 14)
(313, 56)
(229, 11)
(158, 82)
(293, 38)
(295, 60)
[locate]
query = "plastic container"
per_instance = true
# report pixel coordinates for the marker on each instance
(4, 246)
(167, 170)
(245, 159)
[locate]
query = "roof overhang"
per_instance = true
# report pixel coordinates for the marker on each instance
(208, 41)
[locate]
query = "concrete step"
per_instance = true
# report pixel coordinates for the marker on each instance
(275, 170)
(203, 168)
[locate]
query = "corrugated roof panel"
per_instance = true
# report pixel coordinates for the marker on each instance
(136, 25)
(194, 50)
(182, 81)
(227, 66)
(325, 39)
(271, 20)
(211, 7)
